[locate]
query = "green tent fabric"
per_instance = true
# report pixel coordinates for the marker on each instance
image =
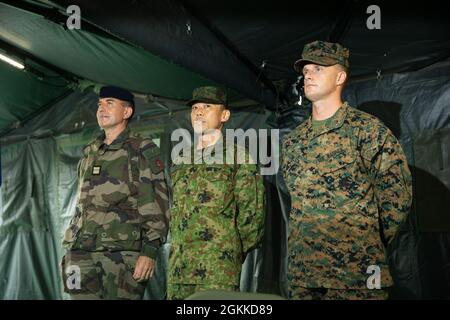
(27, 226)
(76, 59)
(22, 94)
(95, 58)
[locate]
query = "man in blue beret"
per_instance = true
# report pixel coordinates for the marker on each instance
(121, 216)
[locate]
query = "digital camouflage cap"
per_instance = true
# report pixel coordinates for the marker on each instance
(208, 94)
(323, 53)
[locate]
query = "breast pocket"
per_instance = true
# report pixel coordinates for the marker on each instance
(214, 185)
(294, 169)
(107, 183)
(339, 174)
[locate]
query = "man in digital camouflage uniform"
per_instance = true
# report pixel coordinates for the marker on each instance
(122, 208)
(218, 210)
(350, 188)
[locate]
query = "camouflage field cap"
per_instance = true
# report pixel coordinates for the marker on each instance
(214, 95)
(323, 53)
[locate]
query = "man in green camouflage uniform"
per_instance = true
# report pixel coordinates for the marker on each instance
(122, 209)
(350, 188)
(218, 209)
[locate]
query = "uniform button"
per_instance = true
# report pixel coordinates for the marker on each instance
(134, 233)
(103, 235)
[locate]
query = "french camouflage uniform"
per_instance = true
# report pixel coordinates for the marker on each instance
(121, 214)
(218, 215)
(350, 190)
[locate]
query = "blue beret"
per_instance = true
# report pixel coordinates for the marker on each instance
(118, 93)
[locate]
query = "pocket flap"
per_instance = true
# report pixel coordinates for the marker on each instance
(337, 162)
(121, 232)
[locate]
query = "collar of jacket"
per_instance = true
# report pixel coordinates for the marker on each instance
(211, 149)
(116, 144)
(337, 122)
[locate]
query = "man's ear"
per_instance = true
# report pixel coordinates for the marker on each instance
(342, 76)
(225, 115)
(128, 112)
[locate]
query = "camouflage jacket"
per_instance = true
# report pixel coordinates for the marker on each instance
(122, 201)
(350, 188)
(218, 216)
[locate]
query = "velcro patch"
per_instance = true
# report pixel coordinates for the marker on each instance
(156, 164)
(96, 170)
(153, 155)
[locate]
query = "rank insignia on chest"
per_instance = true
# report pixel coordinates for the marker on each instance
(96, 170)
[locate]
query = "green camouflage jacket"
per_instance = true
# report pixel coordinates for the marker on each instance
(218, 216)
(122, 199)
(350, 189)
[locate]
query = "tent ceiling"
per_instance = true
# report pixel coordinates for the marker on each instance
(225, 34)
(76, 54)
(95, 58)
(167, 48)
(410, 36)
